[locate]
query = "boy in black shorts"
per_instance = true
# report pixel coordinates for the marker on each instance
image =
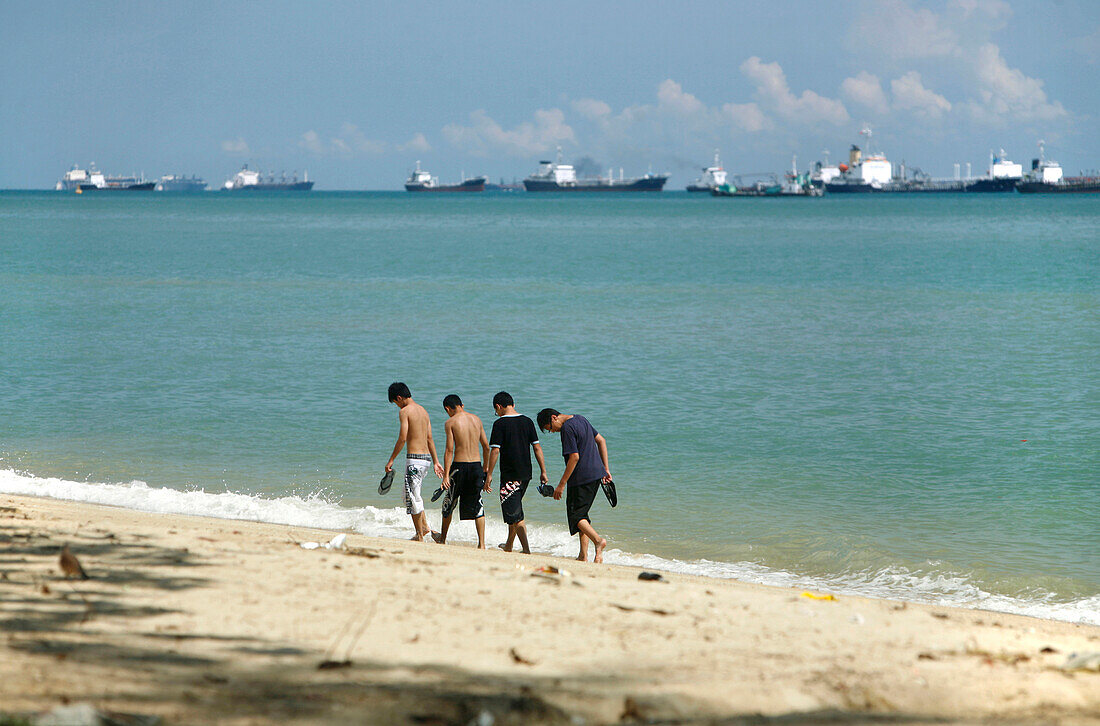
(511, 441)
(465, 468)
(586, 467)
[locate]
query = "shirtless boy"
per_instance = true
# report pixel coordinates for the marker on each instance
(586, 467)
(513, 437)
(465, 469)
(416, 432)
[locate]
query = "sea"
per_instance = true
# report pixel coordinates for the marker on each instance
(895, 396)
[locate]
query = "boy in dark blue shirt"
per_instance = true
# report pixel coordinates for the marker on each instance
(586, 467)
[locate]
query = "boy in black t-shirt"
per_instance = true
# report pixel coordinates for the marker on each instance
(513, 437)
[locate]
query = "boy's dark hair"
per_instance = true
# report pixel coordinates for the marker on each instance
(544, 417)
(399, 389)
(452, 401)
(503, 399)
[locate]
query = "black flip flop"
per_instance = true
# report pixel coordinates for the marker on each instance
(546, 490)
(386, 483)
(609, 492)
(438, 493)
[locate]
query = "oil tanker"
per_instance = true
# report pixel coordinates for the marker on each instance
(249, 180)
(422, 181)
(554, 176)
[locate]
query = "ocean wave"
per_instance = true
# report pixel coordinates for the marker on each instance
(319, 512)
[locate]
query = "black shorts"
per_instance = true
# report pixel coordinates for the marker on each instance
(578, 500)
(511, 500)
(467, 481)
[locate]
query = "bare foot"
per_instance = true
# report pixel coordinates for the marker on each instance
(582, 558)
(505, 547)
(599, 550)
(438, 538)
(481, 545)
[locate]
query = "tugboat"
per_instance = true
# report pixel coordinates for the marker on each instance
(554, 176)
(713, 176)
(178, 183)
(1046, 178)
(253, 181)
(794, 184)
(1003, 175)
(422, 181)
(862, 174)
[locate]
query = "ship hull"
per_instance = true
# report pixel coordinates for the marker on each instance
(850, 188)
(649, 184)
(699, 188)
(294, 187)
(141, 187)
(992, 185)
(470, 185)
(1083, 186)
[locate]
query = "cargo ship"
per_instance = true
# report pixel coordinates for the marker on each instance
(861, 174)
(794, 184)
(1046, 178)
(178, 183)
(92, 180)
(713, 177)
(554, 176)
(1003, 175)
(422, 181)
(249, 180)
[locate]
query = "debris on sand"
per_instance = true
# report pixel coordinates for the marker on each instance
(70, 565)
(651, 577)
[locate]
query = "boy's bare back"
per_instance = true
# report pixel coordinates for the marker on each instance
(419, 428)
(468, 432)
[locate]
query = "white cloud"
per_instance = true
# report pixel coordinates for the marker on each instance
(1008, 93)
(866, 90)
(484, 135)
(809, 108)
(350, 142)
(746, 116)
(591, 108)
(910, 94)
(900, 31)
(418, 142)
(236, 146)
(671, 96)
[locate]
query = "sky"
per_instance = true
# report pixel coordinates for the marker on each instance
(355, 93)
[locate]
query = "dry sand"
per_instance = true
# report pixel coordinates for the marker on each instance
(202, 620)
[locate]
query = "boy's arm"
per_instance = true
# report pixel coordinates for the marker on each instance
(402, 434)
(570, 465)
(431, 450)
(494, 454)
(601, 444)
(543, 478)
(448, 456)
(485, 455)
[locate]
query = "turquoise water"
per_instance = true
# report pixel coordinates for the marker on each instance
(833, 391)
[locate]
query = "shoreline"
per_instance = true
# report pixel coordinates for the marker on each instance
(547, 539)
(198, 619)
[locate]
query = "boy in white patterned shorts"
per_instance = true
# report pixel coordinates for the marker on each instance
(416, 432)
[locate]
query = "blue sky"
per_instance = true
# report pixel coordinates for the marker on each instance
(355, 93)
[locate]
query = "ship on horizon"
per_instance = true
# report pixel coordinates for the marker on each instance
(861, 174)
(714, 176)
(422, 181)
(92, 180)
(554, 176)
(180, 183)
(254, 181)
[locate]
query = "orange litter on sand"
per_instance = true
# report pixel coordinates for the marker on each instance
(812, 596)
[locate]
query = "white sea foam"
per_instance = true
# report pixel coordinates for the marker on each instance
(317, 512)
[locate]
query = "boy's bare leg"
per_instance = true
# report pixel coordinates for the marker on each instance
(441, 538)
(507, 546)
(521, 532)
(417, 536)
(587, 531)
(425, 528)
(479, 525)
(583, 556)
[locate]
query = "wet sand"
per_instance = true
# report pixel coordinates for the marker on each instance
(199, 620)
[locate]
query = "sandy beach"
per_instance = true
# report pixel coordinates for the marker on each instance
(198, 620)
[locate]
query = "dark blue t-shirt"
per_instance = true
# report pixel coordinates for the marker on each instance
(578, 437)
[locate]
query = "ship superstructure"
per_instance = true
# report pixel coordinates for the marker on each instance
(1046, 177)
(862, 173)
(555, 176)
(1002, 175)
(251, 180)
(713, 176)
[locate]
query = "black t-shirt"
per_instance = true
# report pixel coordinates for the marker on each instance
(514, 435)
